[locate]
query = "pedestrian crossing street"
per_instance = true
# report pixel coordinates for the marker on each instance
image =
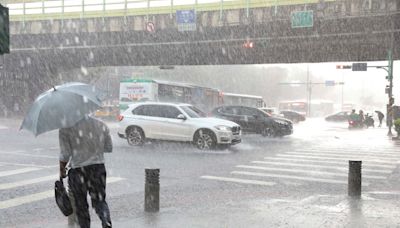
(323, 164)
(22, 184)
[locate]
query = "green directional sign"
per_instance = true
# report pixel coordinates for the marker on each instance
(303, 19)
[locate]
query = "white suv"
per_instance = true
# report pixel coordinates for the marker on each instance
(176, 122)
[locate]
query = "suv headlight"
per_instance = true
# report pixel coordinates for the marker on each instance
(281, 122)
(223, 128)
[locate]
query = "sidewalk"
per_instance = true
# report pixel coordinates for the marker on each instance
(375, 209)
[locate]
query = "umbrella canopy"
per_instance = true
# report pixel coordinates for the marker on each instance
(61, 107)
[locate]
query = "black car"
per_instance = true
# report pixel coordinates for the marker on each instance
(293, 116)
(253, 120)
(338, 117)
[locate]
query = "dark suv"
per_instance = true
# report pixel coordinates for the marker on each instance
(253, 120)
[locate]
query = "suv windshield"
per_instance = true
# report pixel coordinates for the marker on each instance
(193, 112)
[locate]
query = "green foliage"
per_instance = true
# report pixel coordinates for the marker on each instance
(397, 122)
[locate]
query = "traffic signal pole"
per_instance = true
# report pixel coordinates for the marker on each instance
(389, 111)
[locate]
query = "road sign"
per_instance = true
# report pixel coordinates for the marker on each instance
(329, 83)
(186, 20)
(359, 67)
(302, 19)
(150, 26)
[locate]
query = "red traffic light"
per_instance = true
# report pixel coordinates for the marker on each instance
(343, 66)
(248, 44)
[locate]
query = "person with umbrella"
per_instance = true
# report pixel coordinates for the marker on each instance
(83, 142)
(380, 117)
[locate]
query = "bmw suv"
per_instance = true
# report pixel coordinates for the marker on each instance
(176, 122)
(253, 120)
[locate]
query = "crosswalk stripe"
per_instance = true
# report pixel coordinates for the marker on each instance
(28, 155)
(347, 151)
(27, 182)
(307, 171)
(39, 196)
(330, 158)
(318, 166)
(343, 155)
(18, 171)
(28, 165)
(329, 162)
(322, 180)
(237, 180)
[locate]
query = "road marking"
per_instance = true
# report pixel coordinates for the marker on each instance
(29, 165)
(307, 171)
(237, 180)
(40, 196)
(346, 150)
(29, 155)
(27, 182)
(330, 181)
(330, 158)
(391, 167)
(319, 166)
(3, 127)
(341, 152)
(18, 171)
(362, 157)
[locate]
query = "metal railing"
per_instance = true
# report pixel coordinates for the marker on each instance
(26, 10)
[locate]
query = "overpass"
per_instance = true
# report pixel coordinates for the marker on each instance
(46, 43)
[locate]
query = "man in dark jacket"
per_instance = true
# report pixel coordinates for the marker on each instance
(380, 117)
(83, 146)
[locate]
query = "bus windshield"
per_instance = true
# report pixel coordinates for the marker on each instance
(193, 112)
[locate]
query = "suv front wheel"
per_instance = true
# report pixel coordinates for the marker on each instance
(268, 131)
(135, 136)
(205, 139)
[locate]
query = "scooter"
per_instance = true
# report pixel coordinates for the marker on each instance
(355, 124)
(369, 121)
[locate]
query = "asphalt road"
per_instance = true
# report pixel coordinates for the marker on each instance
(312, 161)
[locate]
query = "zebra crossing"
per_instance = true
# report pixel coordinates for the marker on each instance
(14, 176)
(322, 164)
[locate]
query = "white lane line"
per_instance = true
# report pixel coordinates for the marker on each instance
(29, 155)
(391, 167)
(27, 182)
(322, 180)
(319, 166)
(345, 150)
(363, 157)
(237, 180)
(352, 153)
(18, 171)
(332, 158)
(28, 165)
(325, 173)
(39, 196)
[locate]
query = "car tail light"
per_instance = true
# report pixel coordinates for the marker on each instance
(120, 117)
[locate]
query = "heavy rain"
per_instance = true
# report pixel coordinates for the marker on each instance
(199, 113)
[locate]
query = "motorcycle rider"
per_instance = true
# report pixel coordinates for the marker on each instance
(361, 117)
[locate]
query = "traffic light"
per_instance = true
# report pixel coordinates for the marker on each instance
(248, 44)
(4, 30)
(343, 66)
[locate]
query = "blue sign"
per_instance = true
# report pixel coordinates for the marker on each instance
(186, 20)
(330, 83)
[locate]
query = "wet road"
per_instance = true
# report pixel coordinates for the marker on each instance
(313, 161)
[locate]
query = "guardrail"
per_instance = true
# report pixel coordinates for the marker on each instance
(26, 10)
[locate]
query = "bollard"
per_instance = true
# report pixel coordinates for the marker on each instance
(152, 190)
(354, 182)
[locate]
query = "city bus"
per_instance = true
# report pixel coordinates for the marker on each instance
(242, 99)
(317, 108)
(137, 90)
